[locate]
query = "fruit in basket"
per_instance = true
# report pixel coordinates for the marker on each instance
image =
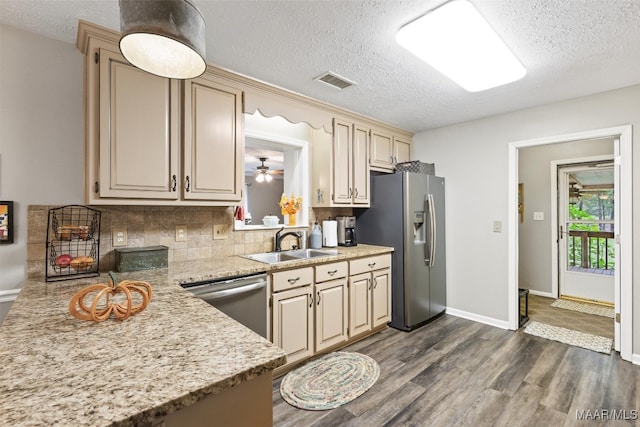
(82, 231)
(64, 232)
(64, 260)
(68, 232)
(82, 263)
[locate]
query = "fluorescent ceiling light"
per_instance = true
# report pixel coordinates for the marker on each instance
(457, 41)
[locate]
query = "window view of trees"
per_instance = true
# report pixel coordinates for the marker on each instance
(591, 230)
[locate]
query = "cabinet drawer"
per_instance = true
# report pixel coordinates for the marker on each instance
(290, 279)
(364, 265)
(335, 270)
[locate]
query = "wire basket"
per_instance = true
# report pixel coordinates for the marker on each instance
(73, 243)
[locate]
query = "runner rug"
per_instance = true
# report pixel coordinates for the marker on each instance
(569, 336)
(582, 307)
(330, 381)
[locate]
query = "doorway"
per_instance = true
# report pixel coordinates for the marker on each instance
(623, 240)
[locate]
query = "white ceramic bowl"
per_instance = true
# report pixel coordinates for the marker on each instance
(270, 220)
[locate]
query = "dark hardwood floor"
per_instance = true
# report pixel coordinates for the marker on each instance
(540, 309)
(459, 372)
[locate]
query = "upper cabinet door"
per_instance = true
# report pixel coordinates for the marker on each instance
(342, 186)
(401, 150)
(213, 141)
(360, 165)
(381, 150)
(139, 120)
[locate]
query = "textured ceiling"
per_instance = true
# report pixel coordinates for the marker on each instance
(571, 48)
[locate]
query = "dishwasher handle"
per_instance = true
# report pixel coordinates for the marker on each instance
(218, 294)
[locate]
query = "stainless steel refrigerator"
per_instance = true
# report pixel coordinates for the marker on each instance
(407, 212)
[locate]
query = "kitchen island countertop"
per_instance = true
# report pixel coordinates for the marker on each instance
(58, 370)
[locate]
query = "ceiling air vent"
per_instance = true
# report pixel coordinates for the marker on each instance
(334, 80)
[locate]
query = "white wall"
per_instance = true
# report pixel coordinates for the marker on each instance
(263, 198)
(473, 157)
(41, 134)
(534, 172)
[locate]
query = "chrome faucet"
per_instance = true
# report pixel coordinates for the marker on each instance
(280, 237)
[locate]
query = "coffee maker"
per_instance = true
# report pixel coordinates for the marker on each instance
(347, 231)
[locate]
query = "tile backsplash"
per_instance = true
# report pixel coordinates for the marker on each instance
(156, 225)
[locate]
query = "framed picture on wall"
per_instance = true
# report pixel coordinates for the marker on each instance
(6, 222)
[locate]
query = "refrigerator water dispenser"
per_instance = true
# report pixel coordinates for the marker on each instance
(418, 228)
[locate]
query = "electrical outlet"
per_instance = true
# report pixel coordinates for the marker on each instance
(538, 216)
(181, 233)
(118, 237)
(497, 226)
(220, 232)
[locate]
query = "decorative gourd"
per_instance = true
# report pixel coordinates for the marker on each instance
(100, 308)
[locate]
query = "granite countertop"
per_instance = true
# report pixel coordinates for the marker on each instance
(58, 370)
(216, 268)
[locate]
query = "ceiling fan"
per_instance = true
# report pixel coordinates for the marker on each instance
(264, 174)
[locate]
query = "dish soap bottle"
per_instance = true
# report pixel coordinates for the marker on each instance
(315, 238)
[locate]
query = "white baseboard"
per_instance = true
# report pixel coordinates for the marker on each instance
(502, 324)
(541, 294)
(635, 359)
(9, 295)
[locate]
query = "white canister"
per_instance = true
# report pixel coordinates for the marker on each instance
(330, 233)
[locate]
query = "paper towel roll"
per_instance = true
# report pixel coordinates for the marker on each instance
(330, 233)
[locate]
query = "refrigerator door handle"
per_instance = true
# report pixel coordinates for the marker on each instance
(432, 222)
(430, 249)
(427, 248)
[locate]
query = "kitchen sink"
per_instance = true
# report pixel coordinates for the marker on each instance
(271, 257)
(293, 255)
(312, 253)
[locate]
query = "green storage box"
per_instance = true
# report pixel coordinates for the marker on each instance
(136, 259)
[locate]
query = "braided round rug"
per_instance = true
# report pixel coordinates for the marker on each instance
(330, 381)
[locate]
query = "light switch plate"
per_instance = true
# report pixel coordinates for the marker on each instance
(538, 216)
(497, 226)
(118, 236)
(181, 233)
(220, 231)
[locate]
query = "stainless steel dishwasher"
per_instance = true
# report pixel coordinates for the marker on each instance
(242, 298)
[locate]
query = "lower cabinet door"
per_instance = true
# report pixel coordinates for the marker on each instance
(381, 302)
(293, 322)
(331, 313)
(359, 304)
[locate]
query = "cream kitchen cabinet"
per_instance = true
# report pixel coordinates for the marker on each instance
(138, 137)
(310, 315)
(331, 305)
(325, 307)
(292, 310)
(341, 166)
(213, 140)
(387, 150)
(369, 293)
(401, 150)
(152, 140)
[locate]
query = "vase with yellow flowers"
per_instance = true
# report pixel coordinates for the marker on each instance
(290, 206)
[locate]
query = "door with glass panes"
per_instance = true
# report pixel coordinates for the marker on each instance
(587, 227)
